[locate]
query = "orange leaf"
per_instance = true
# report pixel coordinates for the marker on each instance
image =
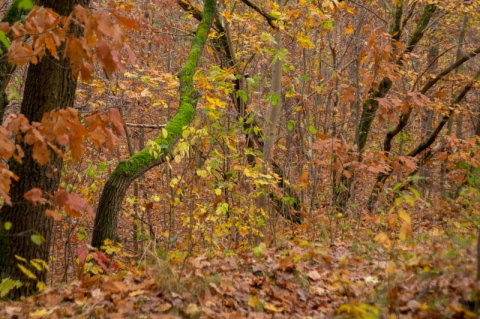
(6, 146)
(41, 153)
(74, 204)
(117, 121)
(53, 214)
(76, 146)
(128, 23)
(304, 179)
(98, 137)
(35, 196)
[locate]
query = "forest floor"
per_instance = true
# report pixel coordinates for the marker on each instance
(360, 275)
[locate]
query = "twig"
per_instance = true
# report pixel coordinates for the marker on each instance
(145, 125)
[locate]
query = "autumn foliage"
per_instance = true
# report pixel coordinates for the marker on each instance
(366, 205)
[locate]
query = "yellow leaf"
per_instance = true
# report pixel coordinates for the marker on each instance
(164, 307)
(39, 313)
(349, 29)
(21, 258)
(405, 231)
(243, 231)
(253, 301)
(423, 307)
(404, 215)
(271, 308)
(27, 272)
(41, 286)
(164, 132)
(382, 239)
(390, 270)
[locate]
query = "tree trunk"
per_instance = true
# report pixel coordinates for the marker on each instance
(127, 171)
(271, 132)
(49, 86)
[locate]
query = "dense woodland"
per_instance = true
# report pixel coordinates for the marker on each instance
(240, 159)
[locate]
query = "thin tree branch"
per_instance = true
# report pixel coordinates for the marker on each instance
(270, 19)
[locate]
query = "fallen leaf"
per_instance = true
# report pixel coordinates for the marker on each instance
(271, 308)
(314, 275)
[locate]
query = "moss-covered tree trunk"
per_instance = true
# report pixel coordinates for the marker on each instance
(49, 86)
(128, 170)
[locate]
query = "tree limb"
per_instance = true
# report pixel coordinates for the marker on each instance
(270, 19)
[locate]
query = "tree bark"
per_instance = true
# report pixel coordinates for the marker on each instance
(49, 86)
(127, 171)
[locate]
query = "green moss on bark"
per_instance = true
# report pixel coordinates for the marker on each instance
(127, 171)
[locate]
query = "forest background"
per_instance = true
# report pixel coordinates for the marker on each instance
(238, 158)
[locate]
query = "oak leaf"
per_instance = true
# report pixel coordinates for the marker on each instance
(74, 204)
(35, 196)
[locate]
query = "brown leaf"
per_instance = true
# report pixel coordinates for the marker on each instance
(314, 275)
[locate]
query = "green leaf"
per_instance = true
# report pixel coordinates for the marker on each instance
(291, 125)
(259, 250)
(25, 5)
(7, 285)
(328, 24)
(275, 99)
(242, 95)
(37, 239)
(415, 192)
(280, 55)
(312, 129)
(4, 39)
(267, 37)
(7, 225)
(250, 119)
